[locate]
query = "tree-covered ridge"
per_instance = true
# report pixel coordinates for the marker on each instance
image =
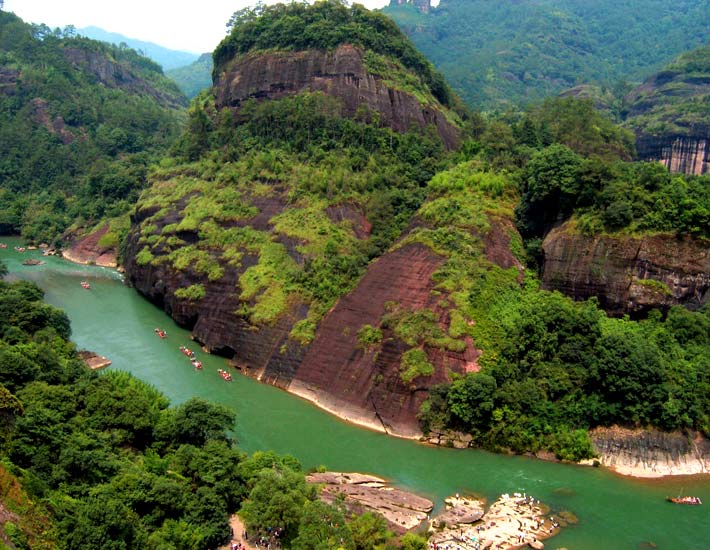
(495, 54)
(325, 25)
(571, 161)
(79, 123)
(201, 215)
(676, 100)
(193, 78)
(91, 462)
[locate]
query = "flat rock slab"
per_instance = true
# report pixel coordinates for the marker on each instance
(459, 511)
(402, 510)
(93, 360)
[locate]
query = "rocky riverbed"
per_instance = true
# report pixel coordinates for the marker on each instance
(512, 521)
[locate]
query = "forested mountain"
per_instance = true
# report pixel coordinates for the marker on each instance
(670, 114)
(93, 462)
(165, 57)
(303, 230)
(195, 77)
(497, 54)
(80, 121)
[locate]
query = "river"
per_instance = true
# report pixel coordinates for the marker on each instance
(614, 512)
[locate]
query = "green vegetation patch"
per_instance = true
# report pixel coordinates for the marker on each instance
(192, 293)
(414, 363)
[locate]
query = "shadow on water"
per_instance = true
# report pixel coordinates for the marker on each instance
(613, 512)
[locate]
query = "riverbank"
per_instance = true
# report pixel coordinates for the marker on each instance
(651, 453)
(630, 453)
(616, 512)
(88, 250)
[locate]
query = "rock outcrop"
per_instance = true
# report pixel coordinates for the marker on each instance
(404, 511)
(680, 154)
(8, 80)
(116, 75)
(628, 274)
(363, 385)
(667, 116)
(511, 522)
(340, 73)
(651, 453)
(88, 250)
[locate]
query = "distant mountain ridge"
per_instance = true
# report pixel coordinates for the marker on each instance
(167, 58)
(195, 77)
(508, 53)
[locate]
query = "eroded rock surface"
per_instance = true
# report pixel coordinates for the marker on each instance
(512, 521)
(403, 510)
(340, 73)
(651, 453)
(87, 250)
(628, 274)
(116, 75)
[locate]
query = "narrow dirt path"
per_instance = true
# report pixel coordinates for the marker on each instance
(237, 534)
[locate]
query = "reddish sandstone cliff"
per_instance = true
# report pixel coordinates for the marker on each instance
(340, 73)
(628, 274)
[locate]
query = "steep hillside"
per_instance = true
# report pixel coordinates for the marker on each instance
(307, 165)
(165, 57)
(312, 227)
(670, 114)
(79, 123)
(195, 77)
(496, 54)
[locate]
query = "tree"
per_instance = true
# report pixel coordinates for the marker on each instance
(323, 527)
(276, 503)
(194, 423)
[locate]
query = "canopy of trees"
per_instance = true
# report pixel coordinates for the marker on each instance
(498, 54)
(74, 149)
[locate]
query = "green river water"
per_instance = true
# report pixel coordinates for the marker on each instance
(614, 512)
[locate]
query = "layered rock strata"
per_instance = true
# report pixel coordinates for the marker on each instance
(340, 73)
(628, 274)
(683, 154)
(404, 511)
(651, 453)
(87, 250)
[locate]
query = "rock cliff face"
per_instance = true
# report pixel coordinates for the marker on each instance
(628, 275)
(361, 383)
(340, 73)
(645, 453)
(116, 75)
(667, 116)
(683, 154)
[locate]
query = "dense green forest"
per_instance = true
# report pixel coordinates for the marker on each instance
(80, 122)
(195, 77)
(501, 54)
(674, 101)
(106, 463)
